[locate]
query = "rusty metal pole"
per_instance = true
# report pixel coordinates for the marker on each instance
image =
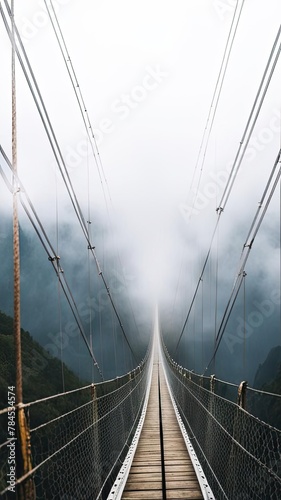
(26, 489)
(17, 333)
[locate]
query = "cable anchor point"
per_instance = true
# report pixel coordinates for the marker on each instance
(53, 259)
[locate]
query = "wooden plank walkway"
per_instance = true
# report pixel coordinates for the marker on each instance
(161, 472)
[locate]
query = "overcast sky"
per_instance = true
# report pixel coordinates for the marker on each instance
(147, 71)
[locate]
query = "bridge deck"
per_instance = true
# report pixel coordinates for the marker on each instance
(161, 467)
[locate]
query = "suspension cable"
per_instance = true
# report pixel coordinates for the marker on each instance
(259, 99)
(60, 161)
(59, 289)
(244, 320)
(52, 256)
(78, 93)
(83, 110)
(271, 186)
(216, 97)
(198, 283)
(240, 153)
(214, 104)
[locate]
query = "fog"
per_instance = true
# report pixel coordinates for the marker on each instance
(147, 72)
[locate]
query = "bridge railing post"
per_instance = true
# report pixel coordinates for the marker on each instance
(212, 383)
(24, 459)
(241, 400)
(210, 442)
(237, 431)
(96, 443)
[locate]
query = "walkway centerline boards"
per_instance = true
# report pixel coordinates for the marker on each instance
(161, 468)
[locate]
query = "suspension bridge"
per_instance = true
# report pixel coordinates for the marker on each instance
(159, 430)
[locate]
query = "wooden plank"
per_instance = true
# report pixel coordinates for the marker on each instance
(176, 467)
(156, 468)
(181, 480)
(145, 477)
(177, 461)
(144, 485)
(186, 484)
(147, 460)
(142, 495)
(184, 494)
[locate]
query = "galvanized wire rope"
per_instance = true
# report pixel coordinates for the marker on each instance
(216, 96)
(271, 185)
(52, 256)
(92, 432)
(239, 453)
(251, 122)
(84, 113)
(35, 91)
(78, 93)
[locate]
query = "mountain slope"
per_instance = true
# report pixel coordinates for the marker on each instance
(268, 370)
(268, 379)
(42, 374)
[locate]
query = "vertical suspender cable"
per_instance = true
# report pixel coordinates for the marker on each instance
(89, 222)
(199, 281)
(202, 325)
(255, 110)
(271, 185)
(50, 250)
(216, 295)
(78, 93)
(259, 99)
(280, 242)
(217, 91)
(83, 109)
(244, 333)
(212, 112)
(58, 270)
(61, 163)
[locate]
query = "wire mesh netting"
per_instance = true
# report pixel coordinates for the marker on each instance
(240, 454)
(79, 443)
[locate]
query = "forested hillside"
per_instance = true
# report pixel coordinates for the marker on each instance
(42, 374)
